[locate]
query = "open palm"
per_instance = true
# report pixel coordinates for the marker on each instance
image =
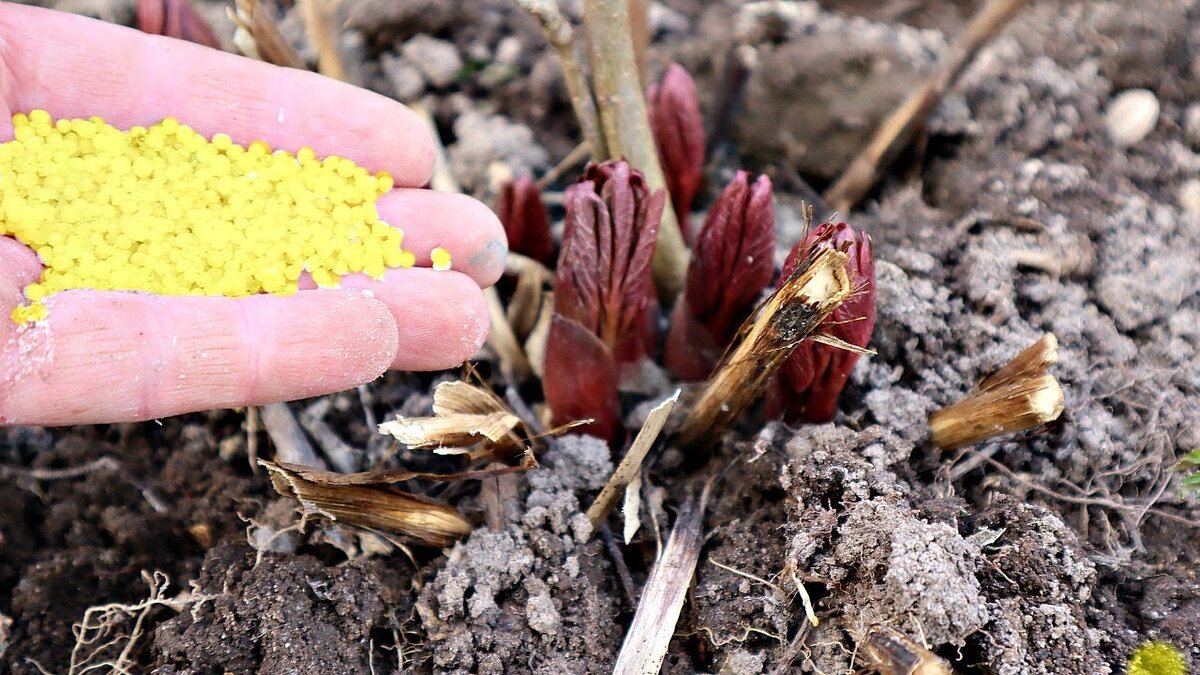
(105, 356)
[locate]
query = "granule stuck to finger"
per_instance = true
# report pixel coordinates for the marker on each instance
(162, 209)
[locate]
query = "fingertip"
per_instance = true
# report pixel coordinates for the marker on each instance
(365, 333)
(463, 225)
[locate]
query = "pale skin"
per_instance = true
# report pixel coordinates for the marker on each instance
(119, 357)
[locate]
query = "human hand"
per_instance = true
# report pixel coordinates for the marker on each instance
(104, 356)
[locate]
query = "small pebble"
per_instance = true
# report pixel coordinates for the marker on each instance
(1191, 125)
(438, 60)
(1131, 116)
(1189, 196)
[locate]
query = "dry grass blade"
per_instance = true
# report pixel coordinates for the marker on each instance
(817, 287)
(323, 33)
(890, 653)
(374, 507)
(258, 36)
(631, 464)
(903, 125)
(1018, 396)
(650, 632)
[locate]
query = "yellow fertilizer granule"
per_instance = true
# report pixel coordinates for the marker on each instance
(164, 210)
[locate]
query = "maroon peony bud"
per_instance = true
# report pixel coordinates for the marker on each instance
(732, 262)
(177, 19)
(679, 134)
(807, 385)
(602, 291)
(525, 220)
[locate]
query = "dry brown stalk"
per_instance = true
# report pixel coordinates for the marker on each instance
(1018, 396)
(906, 122)
(891, 653)
(639, 30)
(818, 286)
(323, 33)
(258, 35)
(561, 37)
(628, 470)
(626, 125)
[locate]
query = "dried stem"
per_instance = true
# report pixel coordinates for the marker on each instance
(653, 625)
(817, 287)
(258, 35)
(626, 124)
(291, 445)
(561, 37)
(904, 124)
(323, 35)
(1017, 397)
(639, 30)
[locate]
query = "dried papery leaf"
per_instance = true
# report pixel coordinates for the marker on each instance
(808, 384)
(604, 278)
(177, 19)
(258, 35)
(535, 344)
(526, 220)
(525, 305)
(732, 262)
(455, 430)
(371, 507)
(580, 380)
(1018, 396)
(891, 653)
(678, 129)
(807, 297)
(503, 339)
(463, 398)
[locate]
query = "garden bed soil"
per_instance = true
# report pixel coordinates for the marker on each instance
(1057, 551)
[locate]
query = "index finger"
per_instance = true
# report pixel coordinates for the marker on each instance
(72, 66)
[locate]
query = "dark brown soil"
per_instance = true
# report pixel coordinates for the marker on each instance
(1053, 552)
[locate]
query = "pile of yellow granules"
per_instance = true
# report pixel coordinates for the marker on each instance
(164, 210)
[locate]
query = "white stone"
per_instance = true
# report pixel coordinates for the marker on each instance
(1131, 116)
(1189, 196)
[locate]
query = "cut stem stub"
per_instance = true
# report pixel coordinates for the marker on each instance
(1018, 396)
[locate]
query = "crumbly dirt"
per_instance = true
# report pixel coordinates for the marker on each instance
(1057, 551)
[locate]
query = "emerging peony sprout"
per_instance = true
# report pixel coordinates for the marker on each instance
(731, 265)
(602, 291)
(525, 220)
(177, 19)
(679, 134)
(809, 382)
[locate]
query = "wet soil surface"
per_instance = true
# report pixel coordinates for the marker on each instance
(1036, 205)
